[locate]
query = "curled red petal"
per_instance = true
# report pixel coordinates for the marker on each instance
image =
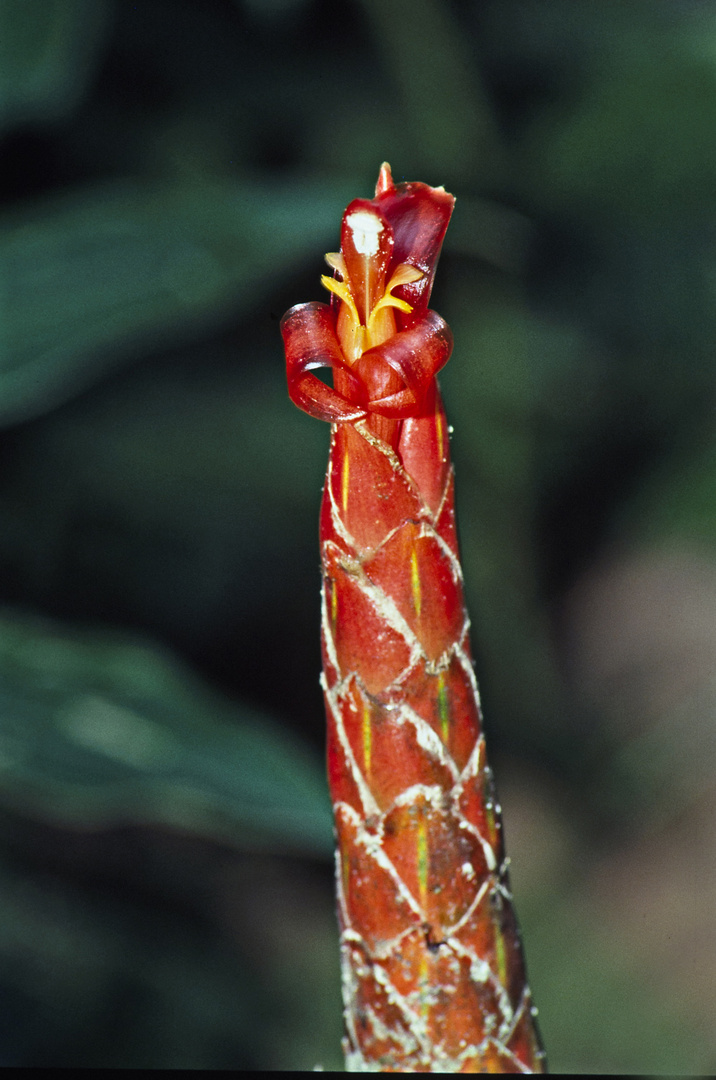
(416, 355)
(398, 406)
(418, 216)
(310, 341)
(322, 402)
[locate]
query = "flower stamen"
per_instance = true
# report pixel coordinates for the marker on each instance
(343, 291)
(402, 275)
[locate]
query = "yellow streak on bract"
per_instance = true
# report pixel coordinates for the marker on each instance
(423, 859)
(345, 872)
(490, 819)
(423, 862)
(415, 581)
(334, 603)
(344, 483)
(501, 957)
(367, 738)
(424, 982)
(443, 707)
(439, 429)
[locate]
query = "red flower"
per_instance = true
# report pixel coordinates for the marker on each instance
(378, 336)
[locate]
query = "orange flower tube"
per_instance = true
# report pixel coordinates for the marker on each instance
(433, 973)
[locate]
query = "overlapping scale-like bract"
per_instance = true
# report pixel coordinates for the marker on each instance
(433, 975)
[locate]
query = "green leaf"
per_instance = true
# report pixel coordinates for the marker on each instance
(97, 729)
(96, 277)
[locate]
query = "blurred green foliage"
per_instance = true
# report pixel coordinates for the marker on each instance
(171, 173)
(96, 729)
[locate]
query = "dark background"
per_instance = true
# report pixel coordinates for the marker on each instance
(171, 173)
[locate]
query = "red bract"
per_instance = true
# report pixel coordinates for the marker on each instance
(433, 976)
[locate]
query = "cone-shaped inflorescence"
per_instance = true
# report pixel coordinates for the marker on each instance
(433, 974)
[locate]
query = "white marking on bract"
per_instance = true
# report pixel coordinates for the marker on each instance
(372, 842)
(385, 449)
(413, 1037)
(487, 850)
(502, 888)
(444, 496)
(349, 991)
(517, 1015)
(341, 901)
(382, 951)
(479, 971)
(328, 638)
(482, 972)
(366, 229)
(428, 531)
(417, 1025)
(479, 896)
(455, 568)
(471, 771)
(506, 1009)
(475, 762)
(370, 806)
(338, 523)
(427, 739)
(406, 1039)
(352, 935)
(431, 793)
(520, 1067)
(387, 611)
(466, 665)
(356, 1062)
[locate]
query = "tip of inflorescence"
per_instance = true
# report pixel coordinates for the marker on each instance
(385, 180)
